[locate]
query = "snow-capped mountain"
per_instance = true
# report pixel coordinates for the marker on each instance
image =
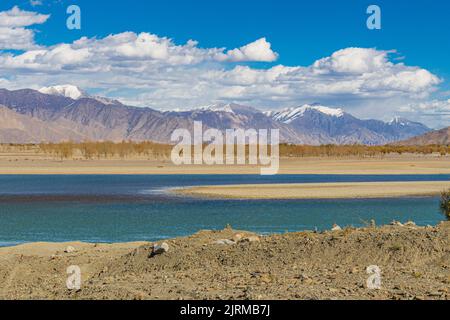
(235, 116)
(402, 122)
(399, 121)
(290, 114)
(218, 107)
(68, 91)
(325, 125)
(75, 93)
(67, 112)
(232, 108)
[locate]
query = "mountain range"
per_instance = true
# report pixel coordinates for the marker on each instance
(65, 112)
(438, 137)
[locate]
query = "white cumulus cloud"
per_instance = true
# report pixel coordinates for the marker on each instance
(353, 60)
(18, 18)
(13, 32)
(259, 50)
(150, 70)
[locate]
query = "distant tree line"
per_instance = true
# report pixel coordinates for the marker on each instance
(127, 149)
(331, 150)
(105, 150)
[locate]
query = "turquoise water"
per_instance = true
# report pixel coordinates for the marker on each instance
(111, 208)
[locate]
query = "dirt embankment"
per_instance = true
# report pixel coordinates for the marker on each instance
(414, 264)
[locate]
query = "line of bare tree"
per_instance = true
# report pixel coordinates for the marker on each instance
(105, 150)
(127, 149)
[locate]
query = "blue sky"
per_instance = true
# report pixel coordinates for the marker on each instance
(299, 33)
(302, 31)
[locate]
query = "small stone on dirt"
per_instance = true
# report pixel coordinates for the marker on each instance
(251, 239)
(237, 237)
(69, 249)
(159, 249)
(336, 228)
(225, 242)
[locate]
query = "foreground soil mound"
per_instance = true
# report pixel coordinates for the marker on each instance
(414, 263)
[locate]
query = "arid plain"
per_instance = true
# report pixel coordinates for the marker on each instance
(232, 264)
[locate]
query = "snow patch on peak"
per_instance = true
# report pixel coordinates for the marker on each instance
(75, 93)
(219, 107)
(399, 121)
(104, 100)
(68, 91)
(290, 114)
(228, 108)
(338, 112)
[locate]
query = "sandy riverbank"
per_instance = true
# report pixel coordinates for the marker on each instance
(414, 263)
(339, 190)
(389, 165)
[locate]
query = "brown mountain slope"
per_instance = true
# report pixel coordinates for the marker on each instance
(439, 137)
(19, 128)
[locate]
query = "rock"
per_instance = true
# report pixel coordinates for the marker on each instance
(159, 249)
(237, 237)
(410, 224)
(336, 228)
(265, 278)
(69, 249)
(354, 270)
(251, 239)
(434, 294)
(139, 296)
(225, 242)
(396, 223)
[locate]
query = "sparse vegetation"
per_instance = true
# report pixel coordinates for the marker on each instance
(445, 203)
(359, 150)
(106, 150)
(127, 149)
